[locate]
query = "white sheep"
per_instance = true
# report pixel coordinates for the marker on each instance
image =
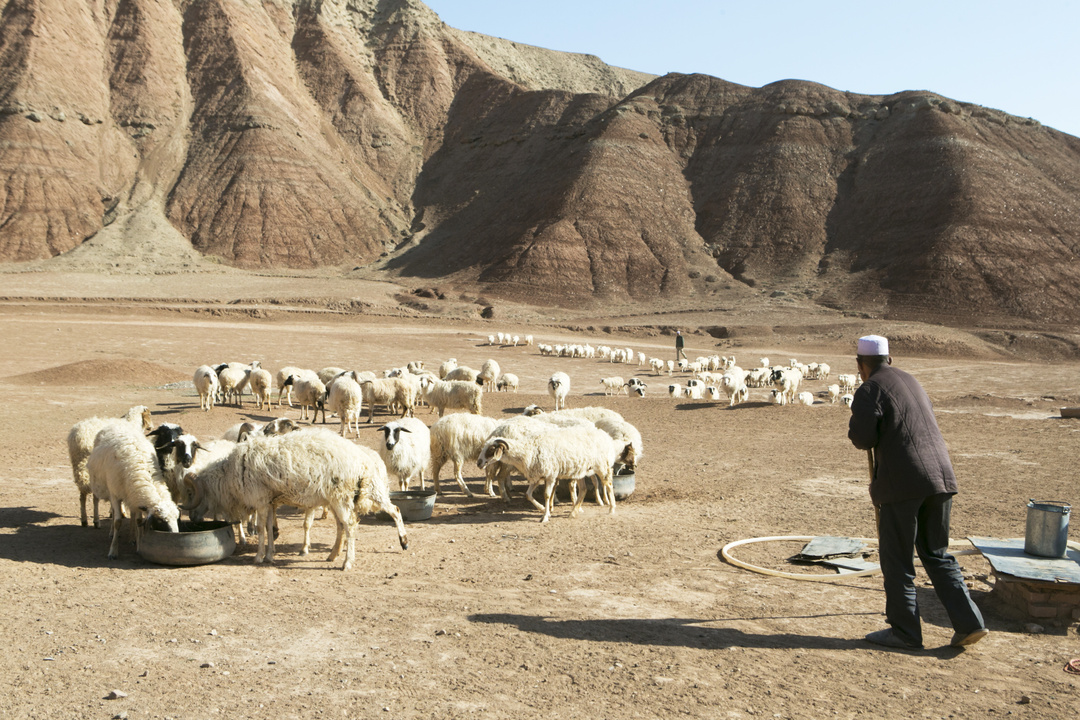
(345, 397)
(823, 371)
(545, 454)
(306, 469)
(786, 381)
(834, 393)
(442, 395)
(406, 450)
(657, 365)
(80, 441)
(559, 388)
(458, 438)
(489, 373)
(233, 378)
(283, 375)
(847, 399)
(462, 372)
(391, 392)
(675, 390)
(848, 383)
(447, 366)
(612, 385)
(670, 367)
(261, 384)
(734, 387)
(310, 393)
(207, 385)
(507, 381)
(806, 398)
(123, 466)
(529, 340)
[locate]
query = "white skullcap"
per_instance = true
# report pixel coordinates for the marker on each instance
(873, 345)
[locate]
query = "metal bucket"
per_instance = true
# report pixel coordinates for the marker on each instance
(197, 543)
(1047, 533)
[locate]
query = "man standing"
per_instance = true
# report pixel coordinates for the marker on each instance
(679, 352)
(912, 488)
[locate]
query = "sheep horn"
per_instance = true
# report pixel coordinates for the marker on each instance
(197, 492)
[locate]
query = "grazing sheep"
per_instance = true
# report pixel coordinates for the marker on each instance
(80, 442)
(612, 385)
(162, 437)
(507, 381)
(489, 373)
(261, 384)
(445, 395)
(122, 466)
(310, 393)
(307, 469)
(559, 388)
(345, 397)
(806, 398)
(547, 454)
(391, 392)
(406, 450)
(207, 385)
(462, 372)
(329, 373)
(458, 438)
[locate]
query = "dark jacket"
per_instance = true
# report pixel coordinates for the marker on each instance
(892, 414)
(678, 342)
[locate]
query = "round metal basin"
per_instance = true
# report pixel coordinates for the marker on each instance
(622, 483)
(414, 504)
(197, 543)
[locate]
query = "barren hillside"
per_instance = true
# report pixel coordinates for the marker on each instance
(331, 134)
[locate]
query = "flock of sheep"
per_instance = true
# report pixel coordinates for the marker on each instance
(243, 476)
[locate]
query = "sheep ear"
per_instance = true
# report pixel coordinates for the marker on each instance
(405, 429)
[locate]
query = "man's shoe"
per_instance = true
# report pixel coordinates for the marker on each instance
(962, 640)
(889, 638)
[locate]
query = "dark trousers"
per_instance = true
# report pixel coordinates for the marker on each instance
(922, 524)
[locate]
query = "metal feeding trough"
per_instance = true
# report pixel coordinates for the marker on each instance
(197, 543)
(414, 504)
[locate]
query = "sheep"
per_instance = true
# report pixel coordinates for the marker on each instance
(657, 365)
(489, 373)
(516, 340)
(491, 340)
(80, 442)
(635, 387)
(834, 393)
(507, 381)
(308, 469)
(233, 378)
(283, 375)
(848, 383)
(207, 385)
(345, 397)
(823, 371)
(162, 438)
(278, 426)
(675, 390)
(458, 438)
(406, 450)
(847, 399)
(559, 388)
(713, 392)
(261, 384)
(122, 465)
(310, 393)
(446, 367)
(787, 382)
(546, 454)
(390, 392)
(528, 340)
(764, 362)
(612, 385)
(806, 398)
(443, 395)
(735, 388)
(670, 367)
(694, 392)
(461, 372)
(502, 338)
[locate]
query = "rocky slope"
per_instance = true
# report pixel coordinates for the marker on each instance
(343, 133)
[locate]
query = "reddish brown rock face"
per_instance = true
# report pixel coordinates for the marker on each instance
(310, 134)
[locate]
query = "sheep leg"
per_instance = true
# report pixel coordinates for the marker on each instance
(549, 499)
(461, 480)
(609, 487)
(309, 519)
(504, 481)
(97, 522)
(391, 509)
(530, 498)
(266, 536)
(598, 490)
(335, 550)
(422, 480)
(82, 507)
(118, 517)
(577, 496)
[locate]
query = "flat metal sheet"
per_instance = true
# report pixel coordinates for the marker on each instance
(852, 564)
(825, 547)
(1008, 556)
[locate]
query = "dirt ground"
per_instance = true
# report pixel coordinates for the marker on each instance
(490, 613)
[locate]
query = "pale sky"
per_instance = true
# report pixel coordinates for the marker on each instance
(1018, 57)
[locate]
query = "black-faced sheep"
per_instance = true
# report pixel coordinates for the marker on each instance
(559, 389)
(406, 450)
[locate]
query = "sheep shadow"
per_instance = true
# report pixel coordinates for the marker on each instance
(16, 517)
(698, 406)
(66, 545)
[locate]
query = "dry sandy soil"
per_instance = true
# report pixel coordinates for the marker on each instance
(490, 613)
